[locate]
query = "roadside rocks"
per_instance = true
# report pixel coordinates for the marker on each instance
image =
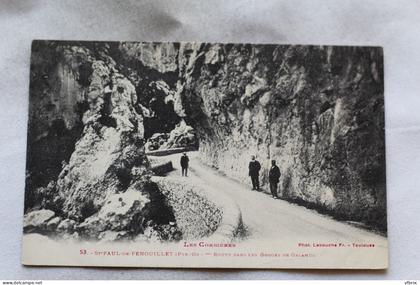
(156, 141)
(46, 222)
(124, 216)
(110, 236)
(53, 223)
(66, 226)
(37, 221)
(182, 136)
(120, 212)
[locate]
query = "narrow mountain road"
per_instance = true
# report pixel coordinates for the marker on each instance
(268, 218)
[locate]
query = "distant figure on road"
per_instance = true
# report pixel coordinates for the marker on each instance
(254, 172)
(274, 177)
(184, 164)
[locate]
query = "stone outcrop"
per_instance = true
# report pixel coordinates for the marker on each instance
(39, 221)
(103, 183)
(129, 216)
(156, 141)
(153, 69)
(157, 56)
(182, 136)
(66, 226)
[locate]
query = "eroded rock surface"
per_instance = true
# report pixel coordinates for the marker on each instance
(317, 110)
(40, 221)
(102, 188)
(182, 136)
(156, 141)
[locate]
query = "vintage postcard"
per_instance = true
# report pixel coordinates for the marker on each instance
(205, 155)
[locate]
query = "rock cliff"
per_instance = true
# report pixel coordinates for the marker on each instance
(101, 180)
(318, 111)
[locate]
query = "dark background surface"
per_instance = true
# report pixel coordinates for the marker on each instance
(391, 24)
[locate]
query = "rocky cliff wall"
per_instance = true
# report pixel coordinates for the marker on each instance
(153, 70)
(318, 111)
(102, 183)
(58, 89)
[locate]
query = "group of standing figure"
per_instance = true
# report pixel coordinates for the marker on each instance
(273, 175)
(254, 173)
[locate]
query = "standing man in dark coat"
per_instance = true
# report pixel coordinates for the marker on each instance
(274, 177)
(254, 172)
(184, 164)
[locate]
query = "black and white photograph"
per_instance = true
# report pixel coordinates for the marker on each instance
(232, 155)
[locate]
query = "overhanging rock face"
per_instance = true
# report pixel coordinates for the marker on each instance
(318, 111)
